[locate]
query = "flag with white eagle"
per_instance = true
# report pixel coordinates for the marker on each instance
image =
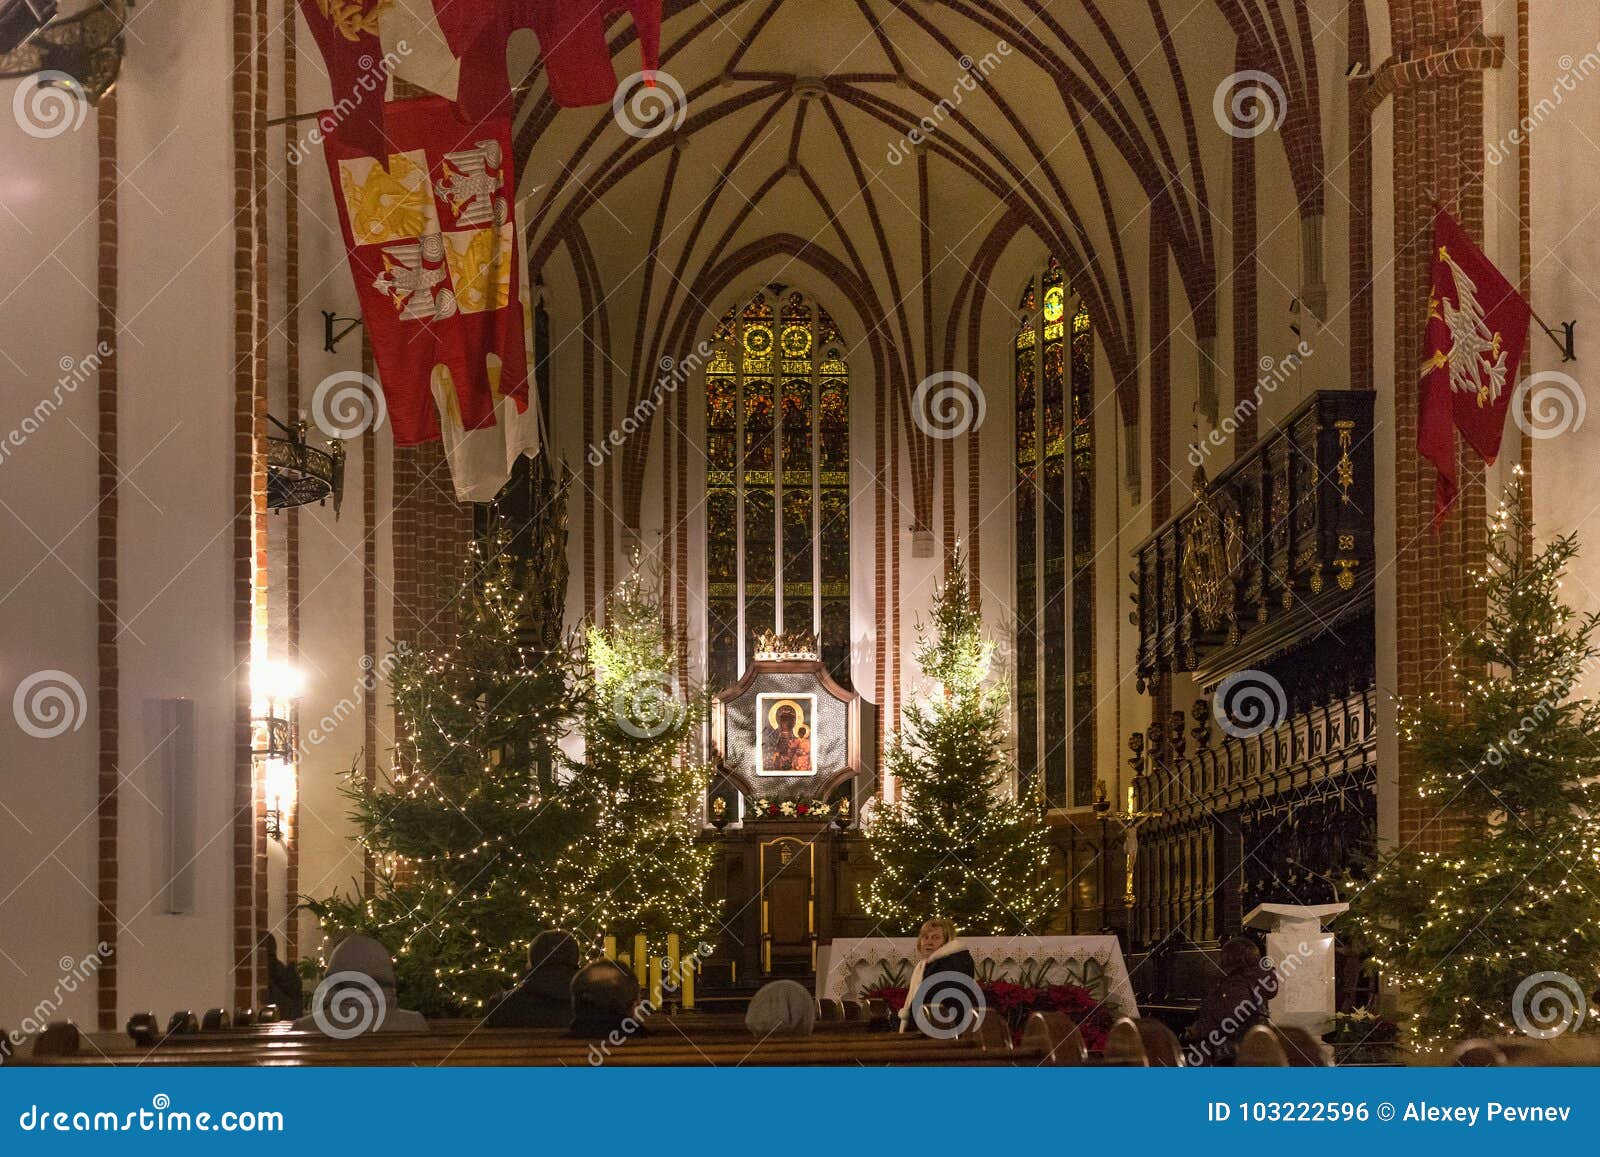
(1477, 328)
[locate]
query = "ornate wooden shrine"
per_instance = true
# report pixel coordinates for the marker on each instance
(1263, 583)
(788, 746)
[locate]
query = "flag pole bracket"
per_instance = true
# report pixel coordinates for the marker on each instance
(331, 336)
(1567, 340)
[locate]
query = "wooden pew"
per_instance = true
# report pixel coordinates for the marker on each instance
(664, 1044)
(989, 1031)
(1053, 1034)
(1522, 1052)
(1272, 1046)
(142, 1035)
(59, 1039)
(1139, 1042)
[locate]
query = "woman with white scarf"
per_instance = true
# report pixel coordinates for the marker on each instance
(943, 982)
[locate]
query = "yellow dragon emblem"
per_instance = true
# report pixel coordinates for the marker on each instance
(385, 206)
(354, 18)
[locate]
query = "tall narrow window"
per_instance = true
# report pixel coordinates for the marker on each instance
(1054, 469)
(777, 483)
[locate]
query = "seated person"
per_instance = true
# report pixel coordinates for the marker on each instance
(348, 1002)
(542, 998)
(782, 1008)
(1236, 1001)
(283, 983)
(940, 959)
(605, 999)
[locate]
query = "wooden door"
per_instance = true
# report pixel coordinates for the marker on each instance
(788, 907)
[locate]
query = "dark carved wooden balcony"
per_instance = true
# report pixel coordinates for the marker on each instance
(1274, 550)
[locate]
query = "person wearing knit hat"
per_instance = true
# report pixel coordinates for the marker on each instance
(782, 1008)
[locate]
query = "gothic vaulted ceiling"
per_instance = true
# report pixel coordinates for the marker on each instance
(788, 138)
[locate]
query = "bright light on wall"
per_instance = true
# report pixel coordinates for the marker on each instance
(275, 682)
(274, 687)
(278, 782)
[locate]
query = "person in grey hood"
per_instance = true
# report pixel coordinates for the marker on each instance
(782, 1009)
(543, 998)
(358, 996)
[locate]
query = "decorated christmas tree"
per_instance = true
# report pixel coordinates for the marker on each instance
(637, 866)
(1501, 932)
(468, 836)
(957, 844)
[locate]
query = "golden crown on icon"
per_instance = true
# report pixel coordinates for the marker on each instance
(786, 645)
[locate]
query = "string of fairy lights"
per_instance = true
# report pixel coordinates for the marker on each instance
(1504, 756)
(476, 849)
(955, 845)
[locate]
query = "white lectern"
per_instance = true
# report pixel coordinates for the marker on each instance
(1303, 955)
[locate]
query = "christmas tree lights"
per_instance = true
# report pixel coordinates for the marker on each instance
(955, 845)
(1506, 759)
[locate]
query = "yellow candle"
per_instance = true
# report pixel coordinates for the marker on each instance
(611, 948)
(639, 963)
(686, 970)
(655, 982)
(674, 963)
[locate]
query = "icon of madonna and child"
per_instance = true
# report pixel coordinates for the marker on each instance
(783, 741)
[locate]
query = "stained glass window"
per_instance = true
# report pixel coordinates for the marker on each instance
(777, 482)
(1053, 360)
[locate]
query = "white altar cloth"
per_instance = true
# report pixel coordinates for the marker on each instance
(845, 968)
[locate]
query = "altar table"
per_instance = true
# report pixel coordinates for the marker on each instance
(846, 968)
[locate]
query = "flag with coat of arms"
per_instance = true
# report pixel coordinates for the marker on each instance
(432, 242)
(1477, 330)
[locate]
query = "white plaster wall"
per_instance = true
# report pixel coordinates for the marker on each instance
(47, 559)
(1564, 152)
(175, 454)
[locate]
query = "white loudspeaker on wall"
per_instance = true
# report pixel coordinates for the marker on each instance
(175, 739)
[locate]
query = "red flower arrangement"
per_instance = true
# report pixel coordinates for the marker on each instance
(1016, 1003)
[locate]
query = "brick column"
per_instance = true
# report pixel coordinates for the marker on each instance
(108, 703)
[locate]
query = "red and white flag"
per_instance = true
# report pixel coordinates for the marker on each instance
(1477, 329)
(346, 32)
(432, 242)
(572, 42)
